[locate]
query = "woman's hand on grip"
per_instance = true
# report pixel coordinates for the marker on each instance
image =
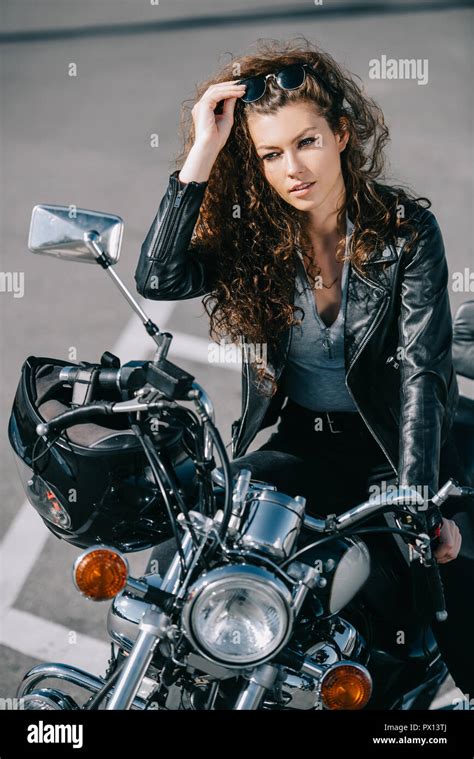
(449, 542)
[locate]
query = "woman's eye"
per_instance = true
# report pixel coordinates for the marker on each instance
(270, 156)
(307, 139)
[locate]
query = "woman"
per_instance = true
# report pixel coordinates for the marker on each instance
(278, 210)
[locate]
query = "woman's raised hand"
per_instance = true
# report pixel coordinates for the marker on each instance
(212, 129)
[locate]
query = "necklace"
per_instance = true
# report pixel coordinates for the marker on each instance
(328, 287)
(318, 276)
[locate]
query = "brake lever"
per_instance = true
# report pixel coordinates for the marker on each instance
(435, 585)
(427, 542)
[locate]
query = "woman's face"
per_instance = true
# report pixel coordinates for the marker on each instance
(296, 145)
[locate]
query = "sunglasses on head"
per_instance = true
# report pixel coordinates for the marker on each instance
(288, 78)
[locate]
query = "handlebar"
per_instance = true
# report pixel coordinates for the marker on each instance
(374, 505)
(435, 585)
(130, 376)
(74, 416)
(385, 501)
(145, 401)
(82, 413)
(166, 377)
(359, 513)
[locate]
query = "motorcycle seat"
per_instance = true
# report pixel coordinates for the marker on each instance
(463, 340)
(422, 643)
(419, 644)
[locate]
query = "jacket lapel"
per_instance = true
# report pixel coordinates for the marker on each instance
(366, 299)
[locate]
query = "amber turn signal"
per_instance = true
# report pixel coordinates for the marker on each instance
(100, 573)
(346, 686)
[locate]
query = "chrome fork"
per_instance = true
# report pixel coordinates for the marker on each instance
(154, 626)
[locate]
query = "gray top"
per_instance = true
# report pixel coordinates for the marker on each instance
(314, 374)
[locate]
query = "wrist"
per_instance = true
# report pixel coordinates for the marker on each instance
(205, 148)
(198, 164)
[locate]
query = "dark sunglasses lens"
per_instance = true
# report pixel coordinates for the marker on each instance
(291, 77)
(254, 89)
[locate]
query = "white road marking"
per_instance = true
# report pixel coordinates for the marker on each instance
(38, 637)
(447, 699)
(197, 349)
(21, 548)
(134, 342)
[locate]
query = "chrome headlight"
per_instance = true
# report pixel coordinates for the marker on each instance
(238, 615)
(47, 699)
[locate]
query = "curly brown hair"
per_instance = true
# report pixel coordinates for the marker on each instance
(251, 233)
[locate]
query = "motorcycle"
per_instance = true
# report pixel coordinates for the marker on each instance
(262, 605)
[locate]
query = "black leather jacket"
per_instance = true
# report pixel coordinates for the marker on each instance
(401, 303)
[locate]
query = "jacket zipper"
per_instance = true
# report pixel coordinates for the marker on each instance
(247, 395)
(361, 347)
(166, 229)
(246, 405)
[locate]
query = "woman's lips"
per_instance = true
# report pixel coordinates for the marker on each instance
(303, 191)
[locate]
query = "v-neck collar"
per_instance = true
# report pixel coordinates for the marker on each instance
(345, 274)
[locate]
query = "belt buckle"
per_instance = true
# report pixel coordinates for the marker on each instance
(331, 423)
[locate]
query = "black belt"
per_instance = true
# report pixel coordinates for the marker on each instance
(331, 421)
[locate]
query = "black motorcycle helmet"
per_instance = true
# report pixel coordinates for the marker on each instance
(93, 483)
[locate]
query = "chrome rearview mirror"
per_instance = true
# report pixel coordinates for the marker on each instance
(75, 234)
(62, 231)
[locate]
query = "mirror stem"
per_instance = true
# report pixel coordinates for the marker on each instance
(161, 339)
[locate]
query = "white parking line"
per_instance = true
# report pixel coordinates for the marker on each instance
(134, 342)
(38, 637)
(447, 699)
(21, 548)
(197, 349)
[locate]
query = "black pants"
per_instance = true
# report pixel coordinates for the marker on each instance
(336, 470)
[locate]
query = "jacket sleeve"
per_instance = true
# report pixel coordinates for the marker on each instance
(425, 334)
(169, 267)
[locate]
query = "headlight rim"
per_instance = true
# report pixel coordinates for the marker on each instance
(215, 576)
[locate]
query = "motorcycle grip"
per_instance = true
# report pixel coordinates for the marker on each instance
(435, 585)
(74, 416)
